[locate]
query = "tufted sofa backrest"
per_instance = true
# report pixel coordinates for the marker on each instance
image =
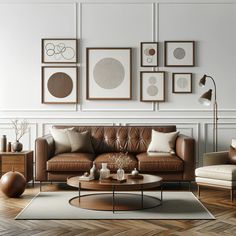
(134, 139)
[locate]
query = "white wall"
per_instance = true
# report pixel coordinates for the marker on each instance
(119, 24)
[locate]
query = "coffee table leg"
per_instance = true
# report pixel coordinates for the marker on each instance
(113, 199)
(142, 198)
(161, 195)
(79, 191)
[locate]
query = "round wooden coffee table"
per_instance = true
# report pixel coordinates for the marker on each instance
(114, 200)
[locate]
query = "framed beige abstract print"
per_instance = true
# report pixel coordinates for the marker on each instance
(179, 53)
(152, 87)
(109, 72)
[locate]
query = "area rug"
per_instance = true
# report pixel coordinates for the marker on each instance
(55, 206)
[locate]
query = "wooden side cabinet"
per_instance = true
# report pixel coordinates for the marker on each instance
(19, 161)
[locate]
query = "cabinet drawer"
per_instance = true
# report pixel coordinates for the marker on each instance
(16, 162)
(13, 160)
(10, 166)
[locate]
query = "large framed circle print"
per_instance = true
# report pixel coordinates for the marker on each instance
(179, 53)
(152, 87)
(109, 73)
(59, 85)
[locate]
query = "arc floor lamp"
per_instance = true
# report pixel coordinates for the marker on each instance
(206, 99)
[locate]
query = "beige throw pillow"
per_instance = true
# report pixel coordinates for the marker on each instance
(80, 142)
(163, 142)
(233, 143)
(62, 142)
(232, 152)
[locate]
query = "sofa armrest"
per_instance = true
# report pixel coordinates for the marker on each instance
(185, 149)
(215, 158)
(44, 150)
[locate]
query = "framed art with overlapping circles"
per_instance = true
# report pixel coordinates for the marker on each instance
(152, 88)
(109, 73)
(59, 50)
(59, 85)
(149, 54)
(179, 53)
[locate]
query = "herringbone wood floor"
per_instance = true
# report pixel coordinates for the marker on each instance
(217, 201)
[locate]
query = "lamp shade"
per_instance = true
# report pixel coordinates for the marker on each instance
(205, 99)
(202, 81)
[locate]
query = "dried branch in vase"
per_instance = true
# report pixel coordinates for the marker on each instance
(20, 128)
(122, 159)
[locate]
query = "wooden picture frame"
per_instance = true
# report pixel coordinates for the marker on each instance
(59, 50)
(59, 85)
(152, 86)
(182, 82)
(149, 54)
(109, 73)
(179, 53)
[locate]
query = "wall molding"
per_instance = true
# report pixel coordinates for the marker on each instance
(206, 125)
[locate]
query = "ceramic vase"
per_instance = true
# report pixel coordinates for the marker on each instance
(17, 146)
(135, 172)
(94, 172)
(3, 143)
(104, 172)
(120, 174)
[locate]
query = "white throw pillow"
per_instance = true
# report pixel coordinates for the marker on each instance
(163, 142)
(62, 142)
(233, 143)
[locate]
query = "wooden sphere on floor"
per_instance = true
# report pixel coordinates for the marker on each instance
(13, 184)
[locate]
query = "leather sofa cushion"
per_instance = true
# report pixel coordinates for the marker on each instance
(106, 158)
(71, 162)
(159, 162)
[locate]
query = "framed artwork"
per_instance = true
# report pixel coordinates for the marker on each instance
(182, 83)
(109, 73)
(179, 53)
(149, 54)
(59, 51)
(59, 85)
(152, 87)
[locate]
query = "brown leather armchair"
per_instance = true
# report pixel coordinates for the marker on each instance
(107, 140)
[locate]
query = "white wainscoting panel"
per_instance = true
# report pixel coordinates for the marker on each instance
(22, 26)
(117, 25)
(226, 132)
(212, 27)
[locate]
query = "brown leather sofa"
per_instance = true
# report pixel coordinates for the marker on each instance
(107, 140)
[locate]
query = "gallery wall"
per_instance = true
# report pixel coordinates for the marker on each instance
(119, 24)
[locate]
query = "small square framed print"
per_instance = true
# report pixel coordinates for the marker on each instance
(59, 50)
(59, 85)
(182, 83)
(109, 73)
(152, 88)
(149, 54)
(179, 53)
